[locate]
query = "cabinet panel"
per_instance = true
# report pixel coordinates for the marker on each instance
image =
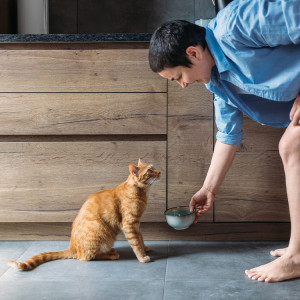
(254, 188)
(190, 142)
(100, 70)
(82, 113)
(48, 182)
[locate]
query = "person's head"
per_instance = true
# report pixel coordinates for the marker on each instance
(169, 42)
(176, 49)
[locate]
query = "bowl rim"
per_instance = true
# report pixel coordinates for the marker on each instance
(180, 206)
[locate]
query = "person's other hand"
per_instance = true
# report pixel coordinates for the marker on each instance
(295, 112)
(202, 201)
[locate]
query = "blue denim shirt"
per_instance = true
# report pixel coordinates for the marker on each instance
(256, 47)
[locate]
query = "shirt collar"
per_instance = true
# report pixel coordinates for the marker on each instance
(216, 51)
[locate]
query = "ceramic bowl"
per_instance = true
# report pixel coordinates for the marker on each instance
(180, 217)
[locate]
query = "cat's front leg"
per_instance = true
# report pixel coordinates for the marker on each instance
(146, 248)
(133, 236)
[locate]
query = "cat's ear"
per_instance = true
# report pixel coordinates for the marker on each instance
(140, 163)
(133, 169)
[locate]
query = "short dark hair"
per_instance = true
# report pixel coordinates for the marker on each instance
(169, 42)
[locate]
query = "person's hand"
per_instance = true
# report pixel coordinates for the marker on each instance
(202, 201)
(295, 112)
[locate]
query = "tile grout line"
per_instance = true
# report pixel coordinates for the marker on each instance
(166, 271)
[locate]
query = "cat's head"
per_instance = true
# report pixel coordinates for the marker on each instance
(143, 173)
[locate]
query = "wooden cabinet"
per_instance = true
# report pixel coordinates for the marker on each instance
(49, 181)
(72, 120)
(82, 113)
(254, 188)
(77, 70)
(73, 116)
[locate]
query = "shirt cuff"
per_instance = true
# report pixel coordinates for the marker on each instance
(229, 139)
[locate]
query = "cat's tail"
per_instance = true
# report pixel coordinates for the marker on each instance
(40, 259)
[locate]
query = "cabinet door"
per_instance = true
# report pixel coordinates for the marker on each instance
(89, 70)
(49, 181)
(72, 121)
(83, 113)
(254, 188)
(190, 142)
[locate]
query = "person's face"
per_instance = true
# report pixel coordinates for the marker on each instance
(199, 71)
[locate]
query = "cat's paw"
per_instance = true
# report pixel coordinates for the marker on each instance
(144, 259)
(146, 248)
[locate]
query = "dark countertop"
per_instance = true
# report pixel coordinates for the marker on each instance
(75, 38)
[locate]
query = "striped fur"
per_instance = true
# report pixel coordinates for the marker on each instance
(39, 259)
(101, 218)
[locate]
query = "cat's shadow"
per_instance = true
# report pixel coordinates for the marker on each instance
(160, 252)
(156, 253)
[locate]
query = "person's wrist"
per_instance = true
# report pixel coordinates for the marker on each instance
(209, 190)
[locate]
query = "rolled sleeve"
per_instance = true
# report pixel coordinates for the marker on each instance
(229, 121)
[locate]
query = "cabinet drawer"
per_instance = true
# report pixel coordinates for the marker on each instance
(49, 181)
(101, 70)
(82, 113)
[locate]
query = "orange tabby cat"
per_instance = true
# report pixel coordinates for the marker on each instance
(100, 219)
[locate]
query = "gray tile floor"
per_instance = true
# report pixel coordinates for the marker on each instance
(179, 270)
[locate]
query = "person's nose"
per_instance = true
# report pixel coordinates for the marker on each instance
(183, 84)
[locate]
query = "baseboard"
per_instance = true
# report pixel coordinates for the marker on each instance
(156, 231)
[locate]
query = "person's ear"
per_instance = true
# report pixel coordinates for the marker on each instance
(194, 52)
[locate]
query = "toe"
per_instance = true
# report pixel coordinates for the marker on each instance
(250, 271)
(253, 270)
(262, 277)
(256, 276)
(251, 275)
(274, 253)
(268, 279)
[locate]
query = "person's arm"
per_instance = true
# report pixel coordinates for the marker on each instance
(229, 120)
(221, 161)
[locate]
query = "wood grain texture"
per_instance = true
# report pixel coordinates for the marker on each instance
(48, 182)
(158, 231)
(82, 113)
(254, 188)
(190, 142)
(99, 70)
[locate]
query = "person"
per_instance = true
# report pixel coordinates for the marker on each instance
(249, 57)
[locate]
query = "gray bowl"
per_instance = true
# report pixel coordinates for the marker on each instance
(180, 217)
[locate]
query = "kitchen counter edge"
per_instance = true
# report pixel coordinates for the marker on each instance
(75, 38)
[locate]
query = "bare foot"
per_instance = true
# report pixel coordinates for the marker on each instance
(283, 268)
(278, 252)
